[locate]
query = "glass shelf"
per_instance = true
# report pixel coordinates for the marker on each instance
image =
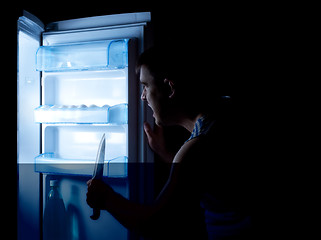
(111, 54)
(51, 164)
(78, 114)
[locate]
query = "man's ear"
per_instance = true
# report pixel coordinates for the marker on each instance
(171, 87)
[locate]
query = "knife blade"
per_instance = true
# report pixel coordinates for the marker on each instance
(99, 170)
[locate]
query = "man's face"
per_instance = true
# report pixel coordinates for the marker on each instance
(153, 95)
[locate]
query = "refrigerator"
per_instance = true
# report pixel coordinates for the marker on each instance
(76, 81)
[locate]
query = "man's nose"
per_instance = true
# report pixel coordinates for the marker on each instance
(143, 96)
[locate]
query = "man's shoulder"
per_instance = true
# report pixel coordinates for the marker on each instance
(190, 149)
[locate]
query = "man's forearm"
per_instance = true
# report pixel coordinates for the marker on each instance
(130, 214)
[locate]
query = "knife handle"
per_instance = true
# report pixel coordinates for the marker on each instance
(96, 214)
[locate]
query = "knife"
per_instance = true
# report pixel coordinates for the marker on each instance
(99, 170)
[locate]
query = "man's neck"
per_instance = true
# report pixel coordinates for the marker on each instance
(189, 122)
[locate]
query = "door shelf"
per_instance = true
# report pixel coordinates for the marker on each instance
(111, 54)
(51, 164)
(82, 114)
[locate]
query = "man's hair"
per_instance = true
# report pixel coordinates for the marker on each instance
(197, 79)
(162, 62)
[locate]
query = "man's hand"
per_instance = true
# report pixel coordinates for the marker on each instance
(156, 142)
(97, 194)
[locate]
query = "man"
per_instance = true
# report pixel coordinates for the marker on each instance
(206, 194)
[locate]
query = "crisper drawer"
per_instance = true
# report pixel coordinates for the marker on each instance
(73, 149)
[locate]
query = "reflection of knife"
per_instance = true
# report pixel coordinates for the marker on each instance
(99, 170)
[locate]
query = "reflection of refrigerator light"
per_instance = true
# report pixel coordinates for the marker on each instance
(117, 138)
(85, 137)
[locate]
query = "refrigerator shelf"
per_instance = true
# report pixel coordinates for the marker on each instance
(109, 54)
(82, 114)
(51, 164)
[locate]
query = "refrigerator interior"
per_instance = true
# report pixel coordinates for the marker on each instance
(84, 95)
(86, 87)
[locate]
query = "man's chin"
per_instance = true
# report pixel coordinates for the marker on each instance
(160, 121)
(157, 122)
